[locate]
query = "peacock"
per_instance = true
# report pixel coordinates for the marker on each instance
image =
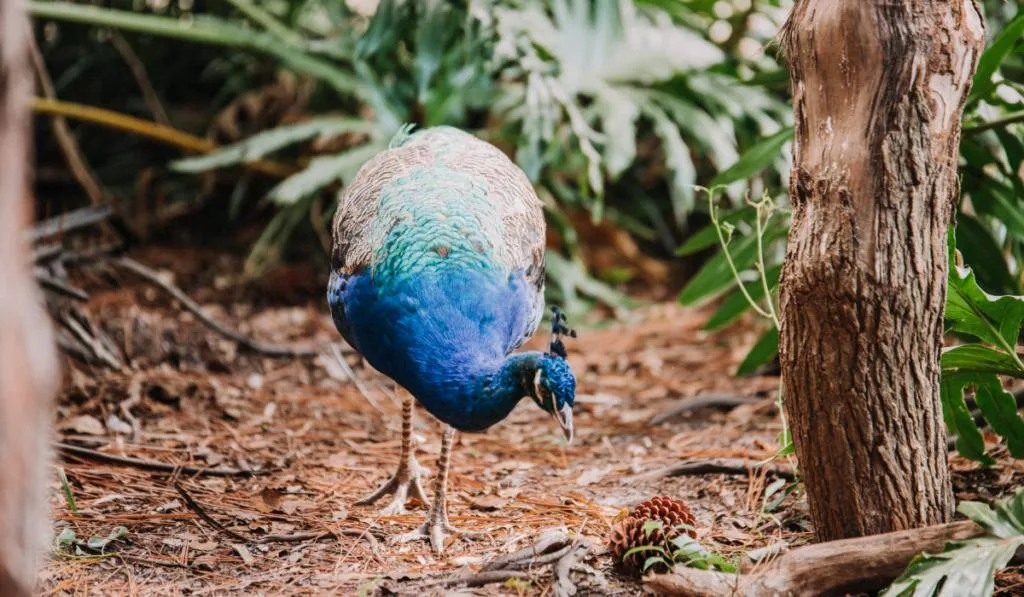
(437, 277)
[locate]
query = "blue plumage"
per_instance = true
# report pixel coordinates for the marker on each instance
(437, 276)
(444, 336)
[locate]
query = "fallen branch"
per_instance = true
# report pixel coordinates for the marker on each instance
(69, 222)
(201, 513)
(274, 350)
(479, 579)
(561, 584)
(150, 465)
(724, 401)
(711, 466)
(860, 565)
(550, 542)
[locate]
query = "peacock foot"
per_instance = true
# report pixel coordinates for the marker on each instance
(404, 484)
(434, 530)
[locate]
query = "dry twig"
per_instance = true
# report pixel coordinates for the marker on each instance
(711, 466)
(274, 350)
(69, 146)
(150, 465)
(138, 69)
(725, 401)
(548, 542)
(68, 222)
(561, 584)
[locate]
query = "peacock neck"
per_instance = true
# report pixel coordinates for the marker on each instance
(473, 397)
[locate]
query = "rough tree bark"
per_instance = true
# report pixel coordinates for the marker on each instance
(878, 93)
(28, 365)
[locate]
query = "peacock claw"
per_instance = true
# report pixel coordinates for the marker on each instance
(434, 530)
(404, 484)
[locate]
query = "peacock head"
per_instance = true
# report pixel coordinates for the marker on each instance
(554, 384)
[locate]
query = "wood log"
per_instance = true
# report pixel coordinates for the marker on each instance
(858, 565)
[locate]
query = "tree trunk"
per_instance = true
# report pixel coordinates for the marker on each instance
(28, 366)
(878, 92)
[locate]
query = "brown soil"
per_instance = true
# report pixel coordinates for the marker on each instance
(319, 444)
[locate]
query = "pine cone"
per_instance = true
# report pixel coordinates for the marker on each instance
(629, 532)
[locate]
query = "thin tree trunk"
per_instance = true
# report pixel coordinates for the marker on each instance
(28, 366)
(878, 93)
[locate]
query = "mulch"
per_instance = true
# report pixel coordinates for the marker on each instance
(295, 441)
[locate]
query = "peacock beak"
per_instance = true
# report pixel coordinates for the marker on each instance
(564, 418)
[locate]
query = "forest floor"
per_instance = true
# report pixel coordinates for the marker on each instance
(316, 442)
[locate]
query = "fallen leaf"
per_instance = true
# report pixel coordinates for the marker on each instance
(271, 497)
(592, 475)
(487, 503)
(244, 552)
(84, 424)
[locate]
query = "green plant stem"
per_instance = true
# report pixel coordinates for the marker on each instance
(728, 258)
(69, 496)
(994, 124)
(206, 32)
(268, 22)
(760, 263)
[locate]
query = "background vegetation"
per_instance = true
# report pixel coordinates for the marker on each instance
(249, 116)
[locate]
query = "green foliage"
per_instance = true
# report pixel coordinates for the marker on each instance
(966, 568)
(756, 159)
(68, 542)
(682, 550)
(996, 323)
(69, 495)
(990, 235)
(617, 108)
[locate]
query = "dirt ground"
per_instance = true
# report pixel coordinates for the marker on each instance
(314, 442)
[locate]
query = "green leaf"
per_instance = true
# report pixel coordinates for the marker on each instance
(321, 172)
(1000, 410)
(977, 358)
(980, 250)
(969, 441)
(434, 29)
(970, 310)
(993, 56)
(736, 303)
(716, 276)
(66, 537)
(384, 27)
(264, 143)
(1013, 146)
(707, 237)
(100, 543)
(764, 350)
(652, 560)
(755, 159)
(966, 568)
(679, 161)
(994, 199)
(652, 525)
(691, 553)
(643, 549)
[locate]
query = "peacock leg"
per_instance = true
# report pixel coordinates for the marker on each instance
(437, 527)
(405, 482)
